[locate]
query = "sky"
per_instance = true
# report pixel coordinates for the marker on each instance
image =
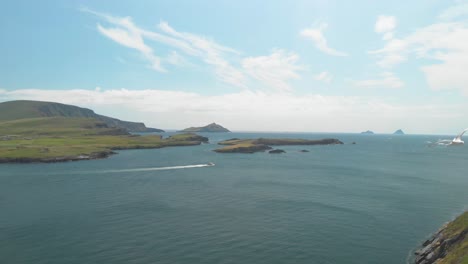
(289, 66)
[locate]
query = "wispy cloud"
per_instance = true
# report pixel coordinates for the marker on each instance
(316, 34)
(275, 69)
(385, 25)
(444, 42)
(133, 40)
(386, 80)
(210, 52)
(324, 76)
(455, 12)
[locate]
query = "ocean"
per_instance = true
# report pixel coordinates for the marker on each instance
(372, 202)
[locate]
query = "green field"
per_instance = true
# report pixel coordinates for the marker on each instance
(458, 254)
(43, 139)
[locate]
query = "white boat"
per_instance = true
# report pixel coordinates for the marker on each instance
(458, 139)
(210, 164)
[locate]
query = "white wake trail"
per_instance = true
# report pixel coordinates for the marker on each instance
(152, 169)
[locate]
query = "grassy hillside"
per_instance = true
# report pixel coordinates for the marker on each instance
(448, 246)
(457, 252)
(49, 139)
(23, 109)
(14, 110)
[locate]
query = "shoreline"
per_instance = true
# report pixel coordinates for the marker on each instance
(447, 245)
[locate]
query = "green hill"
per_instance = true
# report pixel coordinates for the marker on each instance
(54, 139)
(213, 127)
(24, 109)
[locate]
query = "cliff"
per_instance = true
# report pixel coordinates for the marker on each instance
(23, 109)
(448, 246)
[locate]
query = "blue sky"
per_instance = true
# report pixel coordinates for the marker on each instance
(338, 66)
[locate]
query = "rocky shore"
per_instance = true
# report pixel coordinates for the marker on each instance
(91, 156)
(243, 149)
(236, 145)
(449, 245)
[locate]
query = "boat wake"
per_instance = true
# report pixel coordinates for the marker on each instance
(210, 164)
(457, 141)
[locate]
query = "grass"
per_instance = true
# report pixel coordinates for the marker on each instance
(458, 254)
(42, 138)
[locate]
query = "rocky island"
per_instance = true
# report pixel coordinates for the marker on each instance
(399, 132)
(49, 132)
(213, 127)
(447, 246)
(261, 144)
(368, 132)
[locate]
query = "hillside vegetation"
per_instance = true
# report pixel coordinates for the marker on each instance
(448, 246)
(24, 109)
(69, 133)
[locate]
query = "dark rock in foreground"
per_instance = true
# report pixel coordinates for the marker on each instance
(449, 245)
(276, 151)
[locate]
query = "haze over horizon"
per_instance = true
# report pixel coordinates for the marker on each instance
(305, 66)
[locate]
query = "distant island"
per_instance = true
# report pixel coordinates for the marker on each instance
(399, 132)
(368, 132)
(236, 145)
(33, 131)
(213, 127)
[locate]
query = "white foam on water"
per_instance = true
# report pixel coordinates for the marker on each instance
(153, 168)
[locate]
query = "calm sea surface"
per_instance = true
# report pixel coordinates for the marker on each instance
(372, 202)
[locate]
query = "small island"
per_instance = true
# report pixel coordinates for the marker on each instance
(261, 144)
(213, 127)
(368, 132)
(399, 132)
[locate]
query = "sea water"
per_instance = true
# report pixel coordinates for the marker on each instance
(369, 202)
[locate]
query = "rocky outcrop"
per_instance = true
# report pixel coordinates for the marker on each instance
(92, 156)
(368, 132)
(399, 132)
(189, 137)
(448, 245)
(261, 144)
(276, 151)
(293, 141)
(243, 149)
